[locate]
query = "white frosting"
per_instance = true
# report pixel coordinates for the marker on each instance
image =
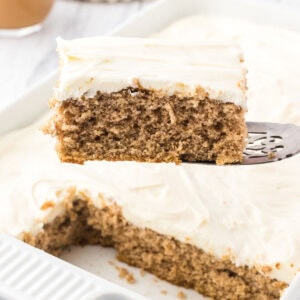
(271, 59)
(110, 64)
(248, 212)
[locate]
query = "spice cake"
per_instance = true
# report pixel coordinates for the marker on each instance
(235, 230)
(149, 100)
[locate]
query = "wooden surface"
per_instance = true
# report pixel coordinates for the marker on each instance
(26, 60)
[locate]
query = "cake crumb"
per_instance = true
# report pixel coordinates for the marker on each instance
(277, 266)
(102, 200)
(47, 204)
(136, 83)
(267, 269)
(188, 239)
(123, 273)
(292, 265)
(181, 295)
(164, 292)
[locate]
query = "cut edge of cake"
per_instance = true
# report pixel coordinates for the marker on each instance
(180, 263)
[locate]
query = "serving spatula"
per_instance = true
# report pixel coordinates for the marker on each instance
(269, 142)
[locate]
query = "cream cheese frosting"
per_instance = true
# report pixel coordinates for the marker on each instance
(271, 59)
(251, 213)
(110, 64)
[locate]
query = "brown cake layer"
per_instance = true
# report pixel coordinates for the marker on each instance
(144, 125)
(179, 263)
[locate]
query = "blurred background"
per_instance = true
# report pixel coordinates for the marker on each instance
(26, 60)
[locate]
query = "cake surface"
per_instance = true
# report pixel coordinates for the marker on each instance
(149, 100)
(249, 215)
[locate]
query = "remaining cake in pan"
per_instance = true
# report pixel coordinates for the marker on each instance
(149, 100)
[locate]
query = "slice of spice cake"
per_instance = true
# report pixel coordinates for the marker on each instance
(149, 100)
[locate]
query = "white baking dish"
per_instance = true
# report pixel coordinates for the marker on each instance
(33, 104)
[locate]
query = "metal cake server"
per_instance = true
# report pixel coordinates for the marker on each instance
(269, 142)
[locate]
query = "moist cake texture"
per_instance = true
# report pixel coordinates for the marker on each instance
(251, 215)
(179, 263)
(147, 100)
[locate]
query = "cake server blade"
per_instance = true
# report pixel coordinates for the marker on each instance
(28, 273)
(269, 142)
